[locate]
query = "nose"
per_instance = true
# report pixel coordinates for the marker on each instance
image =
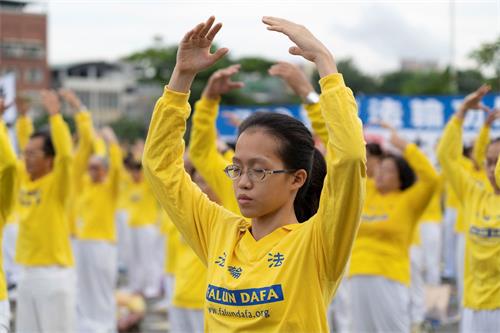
(244, 181)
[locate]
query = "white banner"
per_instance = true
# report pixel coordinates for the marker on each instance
(8, 92)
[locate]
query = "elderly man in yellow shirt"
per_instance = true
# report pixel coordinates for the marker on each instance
(481, 209)
(144, 218)
(46, 290)
(97, 179)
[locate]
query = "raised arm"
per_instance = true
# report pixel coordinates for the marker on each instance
(295, 78)
(203, 152)
(189, 209)
(336, 223)
(85, 132)
(8, 170)
(483, 139)
(450, 147)
(420, 193)
(497, 173)
(115, 160)
(24, 124)
(61, 138)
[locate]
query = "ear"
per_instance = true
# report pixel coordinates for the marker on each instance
(50, 162)
(299, 179)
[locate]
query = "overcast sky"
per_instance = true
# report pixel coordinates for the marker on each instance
(376, 34)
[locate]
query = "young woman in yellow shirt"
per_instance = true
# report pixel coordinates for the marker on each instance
(273, 274)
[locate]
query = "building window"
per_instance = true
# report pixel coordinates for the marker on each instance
(14, 70)
(33, 51)
(33, 75)
(108, 100)
(84, 97)
(29, 50)
(11, 50)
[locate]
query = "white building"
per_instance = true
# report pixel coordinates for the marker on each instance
(108, 90)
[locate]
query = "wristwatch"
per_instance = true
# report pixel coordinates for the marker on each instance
(311, 98)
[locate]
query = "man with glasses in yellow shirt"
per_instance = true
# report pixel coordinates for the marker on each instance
(46, 291)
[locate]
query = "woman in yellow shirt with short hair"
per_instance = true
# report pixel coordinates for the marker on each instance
(380, 263)
(273, 274)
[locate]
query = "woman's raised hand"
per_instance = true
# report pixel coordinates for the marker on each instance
(306, 45)
(194, 54)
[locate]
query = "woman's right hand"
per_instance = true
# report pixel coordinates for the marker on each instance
(306, 44)
(194, 54)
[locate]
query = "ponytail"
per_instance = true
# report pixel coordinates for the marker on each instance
(307, 200)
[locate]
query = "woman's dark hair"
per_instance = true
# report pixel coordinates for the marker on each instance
(467, 151)
(374, 149)
(130, 162)
(406, 175)
(297, 151)
(48, 146)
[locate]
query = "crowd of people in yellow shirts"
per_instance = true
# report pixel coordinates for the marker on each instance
(285, 232)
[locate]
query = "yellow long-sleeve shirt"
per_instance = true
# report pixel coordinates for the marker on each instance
(317, 121)
(190, 278)
(480, 146)
(497, 173)
(481, 179)
(482, 215)
(479, 175)
(181, 262)
(261, 285)
(433, 213)
(388, 223)
(84, 129)
(125, 182)
(44, 229)
(24, 129)
(141, 205)
(98, 202)
(8, 182)
(451, 200)
(171, 234)
(8, 174)
(206, 158)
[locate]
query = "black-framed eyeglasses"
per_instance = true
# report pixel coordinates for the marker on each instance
(255, 175)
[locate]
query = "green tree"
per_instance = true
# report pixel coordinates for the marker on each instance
(160, 62)
(469, 80)
(431, 82)
(129, 129)
(487, 56)
(358, 81)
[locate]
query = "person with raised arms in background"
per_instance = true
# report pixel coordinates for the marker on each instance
(46, 290)
(97, 179)
(8, 182)
(379, 271)
(481, 209)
